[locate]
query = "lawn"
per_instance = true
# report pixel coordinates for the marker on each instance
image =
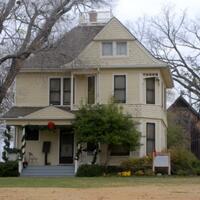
(97, 182)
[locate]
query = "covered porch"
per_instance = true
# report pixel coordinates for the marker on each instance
(46, 139)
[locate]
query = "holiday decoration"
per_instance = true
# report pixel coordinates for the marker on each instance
(51, 125)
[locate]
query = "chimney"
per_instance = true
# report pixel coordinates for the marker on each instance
(93, 16)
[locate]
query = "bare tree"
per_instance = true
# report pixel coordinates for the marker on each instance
(25, 28)
(175, 39)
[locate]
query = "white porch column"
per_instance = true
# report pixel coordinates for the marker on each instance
(23, 146)
(72, 91)
(76, 161)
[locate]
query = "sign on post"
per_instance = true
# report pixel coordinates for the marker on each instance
(162, 160)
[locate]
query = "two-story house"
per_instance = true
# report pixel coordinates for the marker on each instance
(93, 62)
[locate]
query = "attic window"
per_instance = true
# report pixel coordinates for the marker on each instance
(107, 49)
(114, 48)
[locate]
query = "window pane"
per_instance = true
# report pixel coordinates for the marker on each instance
(150, 131)
(150, 90)
(55, 98)
(120, 96)
(107, 49)
(120, 82)
(55, 84)
(66, 91)
(119, 150)
(67, 84)
(121, 48)
(150, 147)
(66, 98)
(120, 88)
(91, 90)
(31, 133)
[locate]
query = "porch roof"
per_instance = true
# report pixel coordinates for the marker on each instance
(41, 115)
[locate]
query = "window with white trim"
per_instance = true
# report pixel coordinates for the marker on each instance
(120, 88)
(55, 91)
(107, 48)
(114, 48)
(150, 138)
(121, 48)
(60, 91)
(66, 91)
(150, 90)
(91, 89)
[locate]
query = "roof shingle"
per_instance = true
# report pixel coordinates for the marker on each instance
(64, 50)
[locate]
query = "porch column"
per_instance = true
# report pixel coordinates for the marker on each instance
(23, 147)
(23, 151)
(72, 91)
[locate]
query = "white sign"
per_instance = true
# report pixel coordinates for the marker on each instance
(162, 160)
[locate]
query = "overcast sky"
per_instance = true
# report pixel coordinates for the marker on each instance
(132, 9)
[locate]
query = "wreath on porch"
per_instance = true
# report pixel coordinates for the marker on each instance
(51, 125)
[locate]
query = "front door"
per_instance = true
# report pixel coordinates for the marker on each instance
(66, 146)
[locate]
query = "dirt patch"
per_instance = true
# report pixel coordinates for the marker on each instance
(169, 192)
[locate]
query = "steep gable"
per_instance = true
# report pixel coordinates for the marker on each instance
(114, 30)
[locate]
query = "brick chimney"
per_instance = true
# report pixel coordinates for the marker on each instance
(93, 16)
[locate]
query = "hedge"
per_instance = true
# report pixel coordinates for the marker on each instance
(9, 169)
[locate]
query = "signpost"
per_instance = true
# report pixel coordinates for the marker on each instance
(162, 160)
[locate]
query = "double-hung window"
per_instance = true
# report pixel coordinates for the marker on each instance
(91, 89)
(120, 88)
(150, 90)
(55, 91)
(66, 91)
(60, 91)
(150, 138)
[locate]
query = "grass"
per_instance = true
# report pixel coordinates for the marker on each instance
(96, 182)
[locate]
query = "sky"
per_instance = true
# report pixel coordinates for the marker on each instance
(127, 10)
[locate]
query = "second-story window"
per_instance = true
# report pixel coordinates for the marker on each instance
(60, 91)
(107, 49)
(150, 90)
(66, 91)
(120, 88)
(91, 89)
(55, 91)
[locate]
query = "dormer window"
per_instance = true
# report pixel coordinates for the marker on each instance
(114, 48)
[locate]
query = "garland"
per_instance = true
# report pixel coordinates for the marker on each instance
(7, 138)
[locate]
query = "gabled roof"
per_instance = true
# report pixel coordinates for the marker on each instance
(20, 112)
(64, 50)
(180, 102)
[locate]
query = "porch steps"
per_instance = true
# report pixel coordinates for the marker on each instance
(48, 171)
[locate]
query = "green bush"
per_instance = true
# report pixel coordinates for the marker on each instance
(90, 170)
(136, 164)
(113, 170)
(9, 169)
(183, 162)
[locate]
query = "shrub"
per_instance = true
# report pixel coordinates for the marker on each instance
(113, 170)
(90, 170)
(136, 164)
(9, 169)
(184, 162)
(139, 173)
